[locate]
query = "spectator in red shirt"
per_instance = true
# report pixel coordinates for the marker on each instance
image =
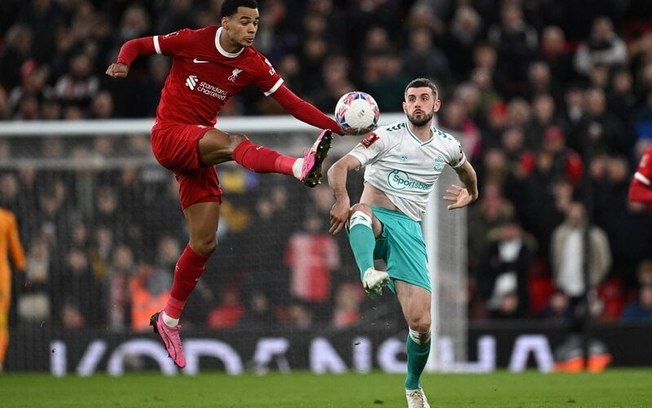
(640, 188)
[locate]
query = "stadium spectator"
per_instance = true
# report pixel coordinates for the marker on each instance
(346, 309)
(639, 310)
(610, 191)
(541, 82)
(258, 311)
(603, 46)
(16, 50)
(311, 255)
(567, 255)
(558, 308)
(462, 34)
(34, 304)
(600, 130)
(200, 147)
(298, 316)
(572, 113)
(505, 271)
(229, 312)
(384, 78)
(543, 116)
(481, 78)
(491, 211)
(383, 222)
(555, 50)
(455, 119)
(516, 43)
(640, 189)
(148, 288)
(336, 80)
(621, 95)
(176, 15)
(423, 59)
(79, 86)
(78, 292)
(117, 288)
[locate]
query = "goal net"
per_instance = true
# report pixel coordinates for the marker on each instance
(101, 227)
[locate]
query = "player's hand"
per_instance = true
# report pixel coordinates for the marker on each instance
(458, 195)
(117, 70)
(339, 216)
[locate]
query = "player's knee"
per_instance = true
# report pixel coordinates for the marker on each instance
(361, 214)
(362, 208)
(420, 324)
(204, 246)
(235, 139)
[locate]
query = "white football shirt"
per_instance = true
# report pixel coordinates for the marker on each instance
(405, 168)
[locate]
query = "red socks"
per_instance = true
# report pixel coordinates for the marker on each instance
(190, 267)
(261, 159)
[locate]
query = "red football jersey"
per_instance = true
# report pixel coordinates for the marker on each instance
(640, 189)
(644, 170)
(204, 76)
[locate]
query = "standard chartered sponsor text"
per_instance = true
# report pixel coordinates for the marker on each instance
(212, 91)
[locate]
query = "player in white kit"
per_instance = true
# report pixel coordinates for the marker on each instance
(402, 163)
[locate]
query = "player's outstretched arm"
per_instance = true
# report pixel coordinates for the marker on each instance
(462, 196)
(304, 111)
(337, 175)
(128, 53)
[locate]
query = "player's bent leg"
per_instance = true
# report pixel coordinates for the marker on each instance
(362, 230)
(217, 147)
(415, 302)
(314, 157)
(202, 219)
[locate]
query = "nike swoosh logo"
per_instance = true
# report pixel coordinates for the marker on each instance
(198, 61)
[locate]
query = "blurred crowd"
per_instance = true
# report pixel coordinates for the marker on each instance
(552, 101)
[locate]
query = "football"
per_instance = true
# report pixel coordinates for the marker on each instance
(357, 113)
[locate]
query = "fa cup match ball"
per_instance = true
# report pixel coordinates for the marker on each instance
(357, 113)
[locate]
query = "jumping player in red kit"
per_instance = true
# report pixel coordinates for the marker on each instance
(210, 65)
(640, 188)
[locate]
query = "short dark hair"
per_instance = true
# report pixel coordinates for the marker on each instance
(230, 7)
(423, 83)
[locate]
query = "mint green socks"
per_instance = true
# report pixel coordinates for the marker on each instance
(417, 357)
(362, 241)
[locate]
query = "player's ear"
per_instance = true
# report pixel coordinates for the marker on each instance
(404, 107)
(436, 105)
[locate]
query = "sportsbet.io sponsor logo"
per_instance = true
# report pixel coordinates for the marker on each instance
(400, 180)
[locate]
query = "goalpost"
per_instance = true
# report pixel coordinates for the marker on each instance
(444, 231)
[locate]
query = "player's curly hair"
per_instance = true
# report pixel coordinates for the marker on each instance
(230, 7)
(423, 83)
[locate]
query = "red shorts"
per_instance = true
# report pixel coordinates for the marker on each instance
(175, 147)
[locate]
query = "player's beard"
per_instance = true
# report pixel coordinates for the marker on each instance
(423, 120)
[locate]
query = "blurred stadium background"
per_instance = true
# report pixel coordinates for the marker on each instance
(551, 102)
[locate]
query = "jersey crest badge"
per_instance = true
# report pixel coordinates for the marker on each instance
(369, 140)
(234, 74)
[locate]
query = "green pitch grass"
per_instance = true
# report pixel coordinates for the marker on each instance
(615, 388)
